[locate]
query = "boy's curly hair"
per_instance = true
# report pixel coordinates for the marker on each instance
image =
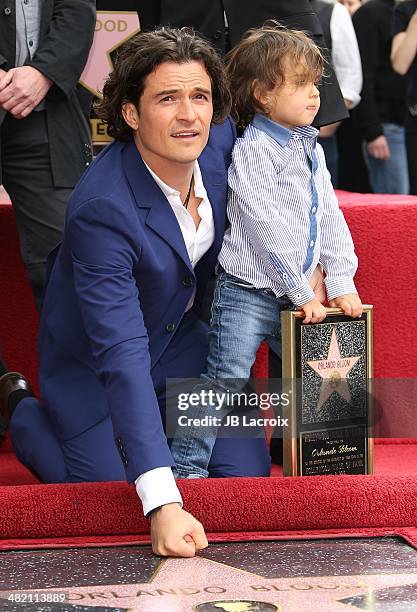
(262, 58)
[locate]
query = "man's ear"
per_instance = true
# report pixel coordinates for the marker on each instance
(130, 115)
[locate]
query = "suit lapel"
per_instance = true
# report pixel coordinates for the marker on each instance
(214, 175)
(160, 218)
(215, 185)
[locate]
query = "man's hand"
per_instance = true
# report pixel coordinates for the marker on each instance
(176, 533)
(317, 285)
(314, 311)
(379, 148)
(22, 89)
(350, 304)
(328, 130)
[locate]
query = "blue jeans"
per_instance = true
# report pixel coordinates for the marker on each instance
(242, 317)
(391, 175)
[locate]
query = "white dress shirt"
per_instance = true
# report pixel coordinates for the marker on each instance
(346, 58)
(157, 487)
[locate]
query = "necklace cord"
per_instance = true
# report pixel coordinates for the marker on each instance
(187, 197)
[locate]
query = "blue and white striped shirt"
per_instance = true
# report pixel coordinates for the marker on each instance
(284, 215)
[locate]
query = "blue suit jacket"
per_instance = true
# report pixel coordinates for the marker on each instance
(117, 290)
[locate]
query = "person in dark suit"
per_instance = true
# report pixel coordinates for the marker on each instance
(223, 23)
(143, 230)
(44, 117)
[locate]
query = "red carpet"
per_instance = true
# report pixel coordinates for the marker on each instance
(80, 514)
(84, 514)
(384, 229)
(19, 319)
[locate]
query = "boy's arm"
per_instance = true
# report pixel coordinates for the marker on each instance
(253, 190)
(337, 250)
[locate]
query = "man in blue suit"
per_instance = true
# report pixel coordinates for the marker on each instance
(143, 230)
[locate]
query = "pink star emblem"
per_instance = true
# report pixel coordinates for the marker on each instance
(112, 30)
(334, 371)
(180, 585)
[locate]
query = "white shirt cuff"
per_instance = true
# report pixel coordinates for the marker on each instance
(156, 488)
(351, 95)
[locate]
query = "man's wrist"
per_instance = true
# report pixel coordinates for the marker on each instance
(152, 512)
(156, 488)
(155, 510)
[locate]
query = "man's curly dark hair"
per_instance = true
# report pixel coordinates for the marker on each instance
(140, 56)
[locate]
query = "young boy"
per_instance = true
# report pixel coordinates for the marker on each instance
(284, 221)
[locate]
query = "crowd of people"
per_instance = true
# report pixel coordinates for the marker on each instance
(134, 243)
(383, 121)
(374, 150)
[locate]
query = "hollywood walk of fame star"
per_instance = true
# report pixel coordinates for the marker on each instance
(112, 30)
(180, 585)
(334, 371)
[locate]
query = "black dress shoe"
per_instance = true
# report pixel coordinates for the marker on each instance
(9, 383)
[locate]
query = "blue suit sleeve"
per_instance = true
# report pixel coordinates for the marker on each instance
(105, 248)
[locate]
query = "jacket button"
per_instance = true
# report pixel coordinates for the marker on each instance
(170, 327)
(188, 281)
(217, 35)
(7, 10)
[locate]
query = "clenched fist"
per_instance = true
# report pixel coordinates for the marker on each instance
(176, 533)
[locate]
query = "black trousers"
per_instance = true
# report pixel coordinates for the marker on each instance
(411, 146)
(39, 207)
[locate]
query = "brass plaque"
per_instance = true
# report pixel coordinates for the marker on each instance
(327, 372)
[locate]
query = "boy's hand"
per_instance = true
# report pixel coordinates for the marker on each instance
(176, 533)
(350, 304)
(314, 311)
(317, 285)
